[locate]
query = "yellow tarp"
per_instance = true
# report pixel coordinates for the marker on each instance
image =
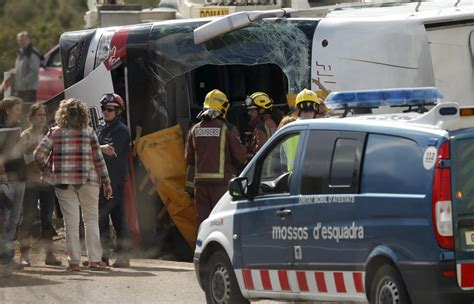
(162, 154)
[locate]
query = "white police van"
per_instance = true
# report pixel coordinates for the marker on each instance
(373, 208)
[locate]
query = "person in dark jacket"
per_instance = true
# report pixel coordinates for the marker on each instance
(114, 139)
(214, 150)
(27, 66)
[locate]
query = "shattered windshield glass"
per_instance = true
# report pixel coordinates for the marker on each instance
(172, 61)
(286, 44)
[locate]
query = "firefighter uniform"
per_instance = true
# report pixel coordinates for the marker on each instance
(263, 127)
(214, 154)
(309, 106)
(261, 122)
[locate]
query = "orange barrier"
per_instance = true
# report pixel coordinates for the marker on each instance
(162, 155)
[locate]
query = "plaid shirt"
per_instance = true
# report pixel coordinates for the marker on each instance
(76, 158)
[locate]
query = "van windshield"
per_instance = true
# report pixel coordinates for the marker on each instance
(465, 168)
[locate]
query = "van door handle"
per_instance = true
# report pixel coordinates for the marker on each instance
(283, 212)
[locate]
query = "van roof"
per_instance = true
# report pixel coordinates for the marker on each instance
(393, 122)
(439, 120)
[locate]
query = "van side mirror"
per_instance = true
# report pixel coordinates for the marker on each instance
(238, 187)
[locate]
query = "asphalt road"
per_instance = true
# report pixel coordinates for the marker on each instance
(146, 281)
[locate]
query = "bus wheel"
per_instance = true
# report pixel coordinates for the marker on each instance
(222, 286)
(388, 288)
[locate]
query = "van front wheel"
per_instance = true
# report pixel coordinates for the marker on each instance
(388, 288)
(222, 286)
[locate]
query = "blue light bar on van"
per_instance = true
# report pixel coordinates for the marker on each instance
(384, 97)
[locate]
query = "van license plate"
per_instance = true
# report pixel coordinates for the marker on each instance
(470, 238)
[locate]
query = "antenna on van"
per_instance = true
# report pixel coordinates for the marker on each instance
(234, 22)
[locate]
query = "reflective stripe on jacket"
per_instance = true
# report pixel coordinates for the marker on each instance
(214, 150)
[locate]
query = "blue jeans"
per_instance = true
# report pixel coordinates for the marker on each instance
(45, 194)
(115, 208)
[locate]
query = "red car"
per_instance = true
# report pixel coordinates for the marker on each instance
(50, 76)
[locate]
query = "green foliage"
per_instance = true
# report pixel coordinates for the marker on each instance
(45, 21)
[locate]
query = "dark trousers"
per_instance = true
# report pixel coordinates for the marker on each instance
(27, 96)
(45, 195)
(206, 197)
(114, 208)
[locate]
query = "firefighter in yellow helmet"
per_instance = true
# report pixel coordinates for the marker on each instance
(308, 105)
(262, 125)
(214, 154)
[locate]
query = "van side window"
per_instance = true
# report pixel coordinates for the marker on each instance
(331, 162)
(276, 167)
(393, 165)
(343, 166)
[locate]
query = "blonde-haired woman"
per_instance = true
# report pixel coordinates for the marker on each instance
(71, 160)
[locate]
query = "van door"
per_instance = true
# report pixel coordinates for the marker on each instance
(462, 166)
(330, 266)
(267, 230)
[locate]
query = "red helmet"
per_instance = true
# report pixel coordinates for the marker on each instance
(112, 99)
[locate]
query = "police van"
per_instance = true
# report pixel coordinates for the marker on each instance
(376, 208)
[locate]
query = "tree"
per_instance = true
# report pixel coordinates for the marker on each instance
(45, 21)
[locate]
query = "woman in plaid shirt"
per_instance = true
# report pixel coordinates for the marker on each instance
(71, 160)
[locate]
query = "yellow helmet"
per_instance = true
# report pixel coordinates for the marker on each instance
(259, 100)
(307, 100)
(218, 101)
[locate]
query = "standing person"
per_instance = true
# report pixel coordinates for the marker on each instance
(15, 170)
(214, 150)
(70, 158)
(259, 108)
(27, 66)
(6, 261)
(308, 105)
(36, 190)
(114, 139)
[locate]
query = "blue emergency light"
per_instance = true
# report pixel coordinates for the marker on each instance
(409, 97)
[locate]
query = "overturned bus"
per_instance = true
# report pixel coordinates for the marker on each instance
(164, 69)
